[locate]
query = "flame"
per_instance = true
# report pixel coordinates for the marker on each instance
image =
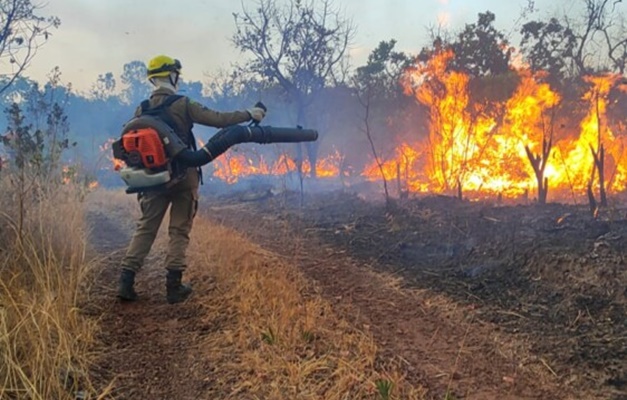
(105, 149)
(406, 166)
(576, 155)
(467, 146)
(66, 175)
(479, 149)
(233, 166)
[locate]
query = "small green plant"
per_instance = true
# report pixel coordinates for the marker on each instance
(449, 396)
(309, 336)
(269, 336)
(384, 388)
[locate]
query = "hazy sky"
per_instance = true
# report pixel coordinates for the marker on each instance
(98, 36)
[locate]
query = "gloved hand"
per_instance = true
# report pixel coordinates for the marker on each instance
(256, 113)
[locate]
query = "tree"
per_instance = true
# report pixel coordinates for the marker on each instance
(544, 45)
(384, 70)
(134, 78)
(301, 45)
(36, 141)
(22, 32)
(480, 49)
(483, 54)
(380, 92)
(574, 46)
(104, 87)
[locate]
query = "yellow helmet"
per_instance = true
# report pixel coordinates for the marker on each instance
(161, 66)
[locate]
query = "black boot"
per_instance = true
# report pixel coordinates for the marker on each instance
(126, 291)
(177, 291)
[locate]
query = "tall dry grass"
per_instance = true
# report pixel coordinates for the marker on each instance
(45, 341)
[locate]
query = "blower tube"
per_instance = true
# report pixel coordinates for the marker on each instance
(232, 135)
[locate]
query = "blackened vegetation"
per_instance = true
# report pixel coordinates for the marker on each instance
(552, 273)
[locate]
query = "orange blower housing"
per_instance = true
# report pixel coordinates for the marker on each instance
(144, 149)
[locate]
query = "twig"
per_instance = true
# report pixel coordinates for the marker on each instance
(548, 367)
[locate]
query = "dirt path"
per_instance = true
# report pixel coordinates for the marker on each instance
(443, 348)
(149, 346)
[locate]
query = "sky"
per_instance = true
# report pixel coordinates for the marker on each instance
(99, 36)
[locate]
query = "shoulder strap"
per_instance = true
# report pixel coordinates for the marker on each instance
(170, 100)
(161, 110)
(145, 105)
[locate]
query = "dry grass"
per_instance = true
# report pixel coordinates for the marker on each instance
(267, 330)
(275, 336)
(45, 342)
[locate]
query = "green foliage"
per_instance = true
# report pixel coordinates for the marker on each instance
(269, 336)
(383, 71)
(308, 336)
(480, 49)
(546, 45)
(384, 388)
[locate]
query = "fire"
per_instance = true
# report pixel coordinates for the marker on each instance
(577, 155)
(457, 138)
(476, 150)
(233, 166)
(326, 167)
(406, 166)
(67, 174)
(105, 149)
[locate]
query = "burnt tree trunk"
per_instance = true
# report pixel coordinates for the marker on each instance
(301, 121)
(538, 163)
(594, 208)
(460, 194)
(599, 164)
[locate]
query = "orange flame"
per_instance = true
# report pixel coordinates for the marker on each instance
(105, 149)
(576, 155)
(233, 166)
(468, 147)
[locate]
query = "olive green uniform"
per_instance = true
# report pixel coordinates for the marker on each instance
(182, 198)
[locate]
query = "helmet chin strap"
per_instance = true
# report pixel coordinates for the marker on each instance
(170, 82)
(174, 79)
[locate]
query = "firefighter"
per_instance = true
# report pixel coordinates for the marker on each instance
(163, 72)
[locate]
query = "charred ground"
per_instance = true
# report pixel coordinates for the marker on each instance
(553, 274)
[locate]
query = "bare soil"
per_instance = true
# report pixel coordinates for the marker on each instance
(149, 348)
(530, 301)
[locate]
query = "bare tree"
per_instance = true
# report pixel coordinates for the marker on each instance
(301, 45)
(22, 32)
(365, 95)
(615, 34)
(598, 17)
(539, 161)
